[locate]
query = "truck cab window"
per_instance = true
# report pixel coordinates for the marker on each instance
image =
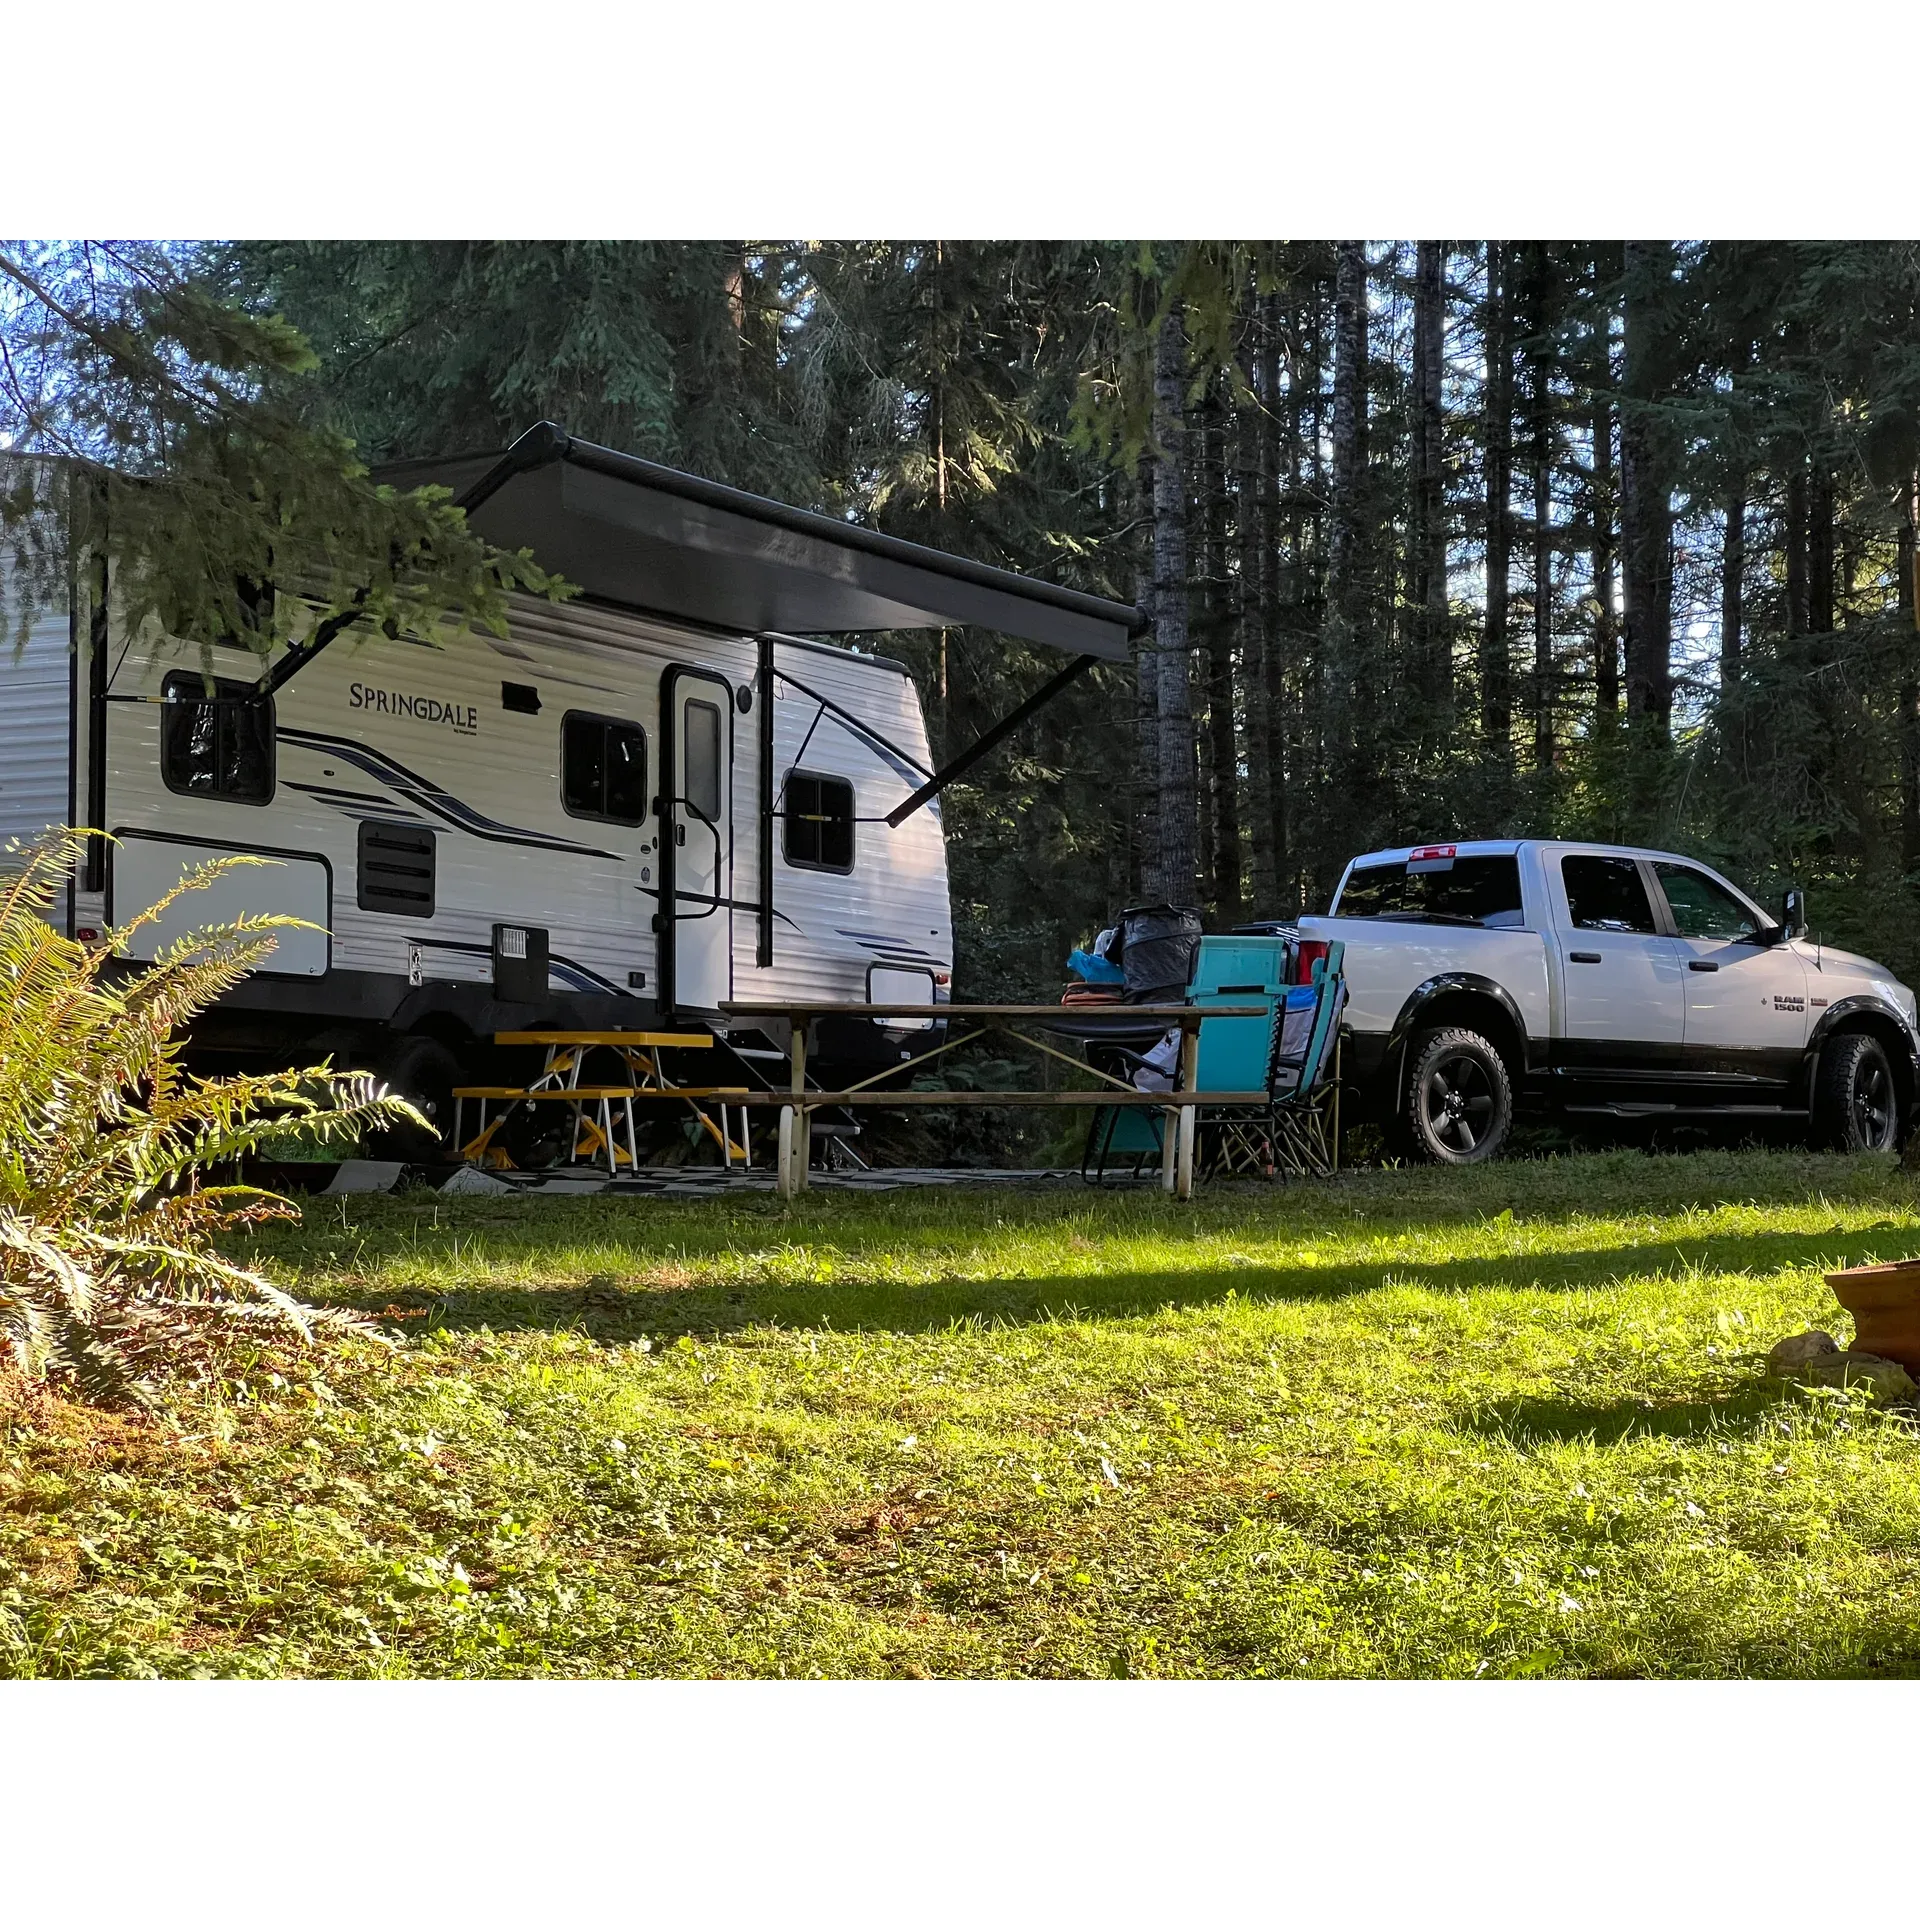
(220, 748)
(603, 769)
(819, 822)
(1606, 895)
(1480, 889)
(1702, 908)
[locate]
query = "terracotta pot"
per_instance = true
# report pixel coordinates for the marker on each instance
(1885, 1304)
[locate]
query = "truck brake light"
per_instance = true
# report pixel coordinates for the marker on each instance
(1311, 953)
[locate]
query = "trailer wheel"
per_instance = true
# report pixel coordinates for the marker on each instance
(1856, 1107)
(423, 1071)
(1459, 1105)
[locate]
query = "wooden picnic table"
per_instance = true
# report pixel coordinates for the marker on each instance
(1179, 1103)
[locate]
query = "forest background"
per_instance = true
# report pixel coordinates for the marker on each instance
(1438, 538)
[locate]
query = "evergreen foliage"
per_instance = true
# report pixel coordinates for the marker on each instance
(231, 510)
(108, 1270)
(1571, 537)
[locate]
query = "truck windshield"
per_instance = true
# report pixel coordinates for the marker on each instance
(1479, 890)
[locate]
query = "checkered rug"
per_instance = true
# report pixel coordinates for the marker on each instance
(685, 1183)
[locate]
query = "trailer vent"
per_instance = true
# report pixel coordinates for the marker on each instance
(519, 963)
(396, 869)
(517, 698)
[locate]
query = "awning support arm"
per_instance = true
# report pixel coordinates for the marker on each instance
(959, 767)
(324, 635)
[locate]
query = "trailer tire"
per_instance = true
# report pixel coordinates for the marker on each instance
(420, 1069)
(1459, 1102)
(1856, 1106)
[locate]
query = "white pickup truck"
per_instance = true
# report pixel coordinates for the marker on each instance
(1595, 979)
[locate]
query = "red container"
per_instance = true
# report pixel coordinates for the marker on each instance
(1885, 1304)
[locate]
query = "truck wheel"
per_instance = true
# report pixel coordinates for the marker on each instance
(1855, 1107)
(1459, 1106)
(423, 1071)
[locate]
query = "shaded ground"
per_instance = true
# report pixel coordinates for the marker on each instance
(1502, 1421)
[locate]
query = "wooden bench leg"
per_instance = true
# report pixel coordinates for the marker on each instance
(1188, 1121)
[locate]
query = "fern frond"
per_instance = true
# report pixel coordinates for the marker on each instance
(109, 1274)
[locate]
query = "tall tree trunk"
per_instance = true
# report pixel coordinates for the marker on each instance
(936, 288)
(1540, 407)
(1606, 637)
(1496, 684)
(1221, 729)
(1311, 594)
(1280, 589)
(1820, 547)
(1203, 505)
(1794, 531)
(1344, 645)
(1646, 500)
(1178, 864)
(1223, 817)
(1733, 582)
(1255, 531)
(1146, 702)
(1908, 589)
(1427, 535)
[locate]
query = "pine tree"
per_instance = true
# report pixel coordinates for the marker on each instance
(1174, 877)
(1645, 487)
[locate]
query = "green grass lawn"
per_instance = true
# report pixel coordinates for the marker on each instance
(1503, 1421)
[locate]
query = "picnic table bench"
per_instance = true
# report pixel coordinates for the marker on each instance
(798, 1100)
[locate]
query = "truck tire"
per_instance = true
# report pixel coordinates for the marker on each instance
(1856, 1107)
(419, 1069)
(1459, 1104)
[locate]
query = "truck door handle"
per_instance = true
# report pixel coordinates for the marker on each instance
(1703, 966)
(1585, 959)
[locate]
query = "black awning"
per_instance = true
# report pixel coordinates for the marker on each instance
(648, 537)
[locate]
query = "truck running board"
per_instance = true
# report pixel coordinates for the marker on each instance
(1658, 1109)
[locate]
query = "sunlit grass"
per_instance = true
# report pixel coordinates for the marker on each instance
(1505, 1421)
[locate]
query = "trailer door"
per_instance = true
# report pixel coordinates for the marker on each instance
(696, 806)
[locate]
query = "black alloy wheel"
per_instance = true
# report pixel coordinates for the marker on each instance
(1856, 1106)
(1873, 1103)
(1459, 1106)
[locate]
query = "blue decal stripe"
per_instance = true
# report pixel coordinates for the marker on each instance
(436, 800)
(556, 963)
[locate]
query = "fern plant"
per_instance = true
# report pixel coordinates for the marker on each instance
(109, 1205)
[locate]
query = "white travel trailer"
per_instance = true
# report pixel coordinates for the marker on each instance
(648, 801)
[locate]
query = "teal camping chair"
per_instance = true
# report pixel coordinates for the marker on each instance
(1124, 1141)
(1234, 1056)
(1298, 1131)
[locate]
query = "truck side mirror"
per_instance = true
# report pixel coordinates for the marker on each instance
(1793, 915)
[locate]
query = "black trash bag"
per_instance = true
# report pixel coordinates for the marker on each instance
(1158, 946)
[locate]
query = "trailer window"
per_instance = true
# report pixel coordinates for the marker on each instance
(700, 744)
(1482, 890)
(220, 748)
(1606, 895)
(819, 822)
(603, 769)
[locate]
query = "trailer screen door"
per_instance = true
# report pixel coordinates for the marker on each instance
(699, 716)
